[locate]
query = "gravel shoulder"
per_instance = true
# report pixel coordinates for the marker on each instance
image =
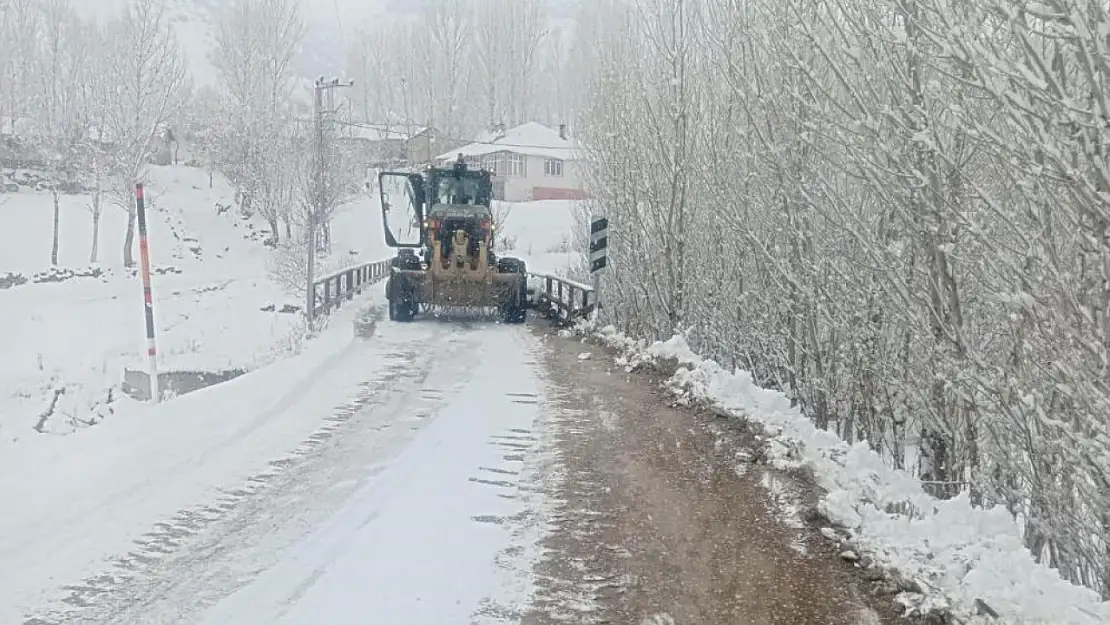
(664, 517)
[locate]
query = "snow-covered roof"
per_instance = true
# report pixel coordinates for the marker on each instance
(531, 138)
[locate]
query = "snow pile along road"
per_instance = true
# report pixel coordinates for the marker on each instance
(958, 554)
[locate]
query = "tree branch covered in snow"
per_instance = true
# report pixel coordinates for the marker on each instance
(146, 86)
(308, 192)
(80, 97)
(256, 42)
(896, 213)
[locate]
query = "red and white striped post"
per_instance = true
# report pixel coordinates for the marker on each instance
(148, 302)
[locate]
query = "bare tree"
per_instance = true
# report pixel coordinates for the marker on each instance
(207, 126)
(63, 124)
(256, 42)
(906, 227)
(288, 264)
(148, 83)
(554, 81)
(463, 67)
(310, 186)
(507, 36)
(446, 47)
(21, 21)
(95, 90)
(360, 56)
(277, 189)
(98, 161)
(380, 60)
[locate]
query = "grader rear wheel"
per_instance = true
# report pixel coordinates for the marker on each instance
(515, 311)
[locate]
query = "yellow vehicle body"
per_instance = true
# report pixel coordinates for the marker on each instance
(455, 277)
(456, 266)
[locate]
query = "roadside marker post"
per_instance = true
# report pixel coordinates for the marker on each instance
(148, 301)
(599, 254)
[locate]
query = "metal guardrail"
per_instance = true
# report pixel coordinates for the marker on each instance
(337, 287)
(561, 299)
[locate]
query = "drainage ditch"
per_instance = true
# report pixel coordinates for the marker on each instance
(136, 384)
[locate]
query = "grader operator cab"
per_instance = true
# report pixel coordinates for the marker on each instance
(445, 255)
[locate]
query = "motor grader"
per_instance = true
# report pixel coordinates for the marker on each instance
(445, 257)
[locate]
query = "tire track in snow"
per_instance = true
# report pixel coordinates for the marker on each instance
(576, 587)
(423, 538)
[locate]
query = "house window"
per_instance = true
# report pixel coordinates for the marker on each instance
(516, 165)
(553, 167)
(494, 163)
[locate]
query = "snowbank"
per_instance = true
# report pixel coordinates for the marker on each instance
(956, 553)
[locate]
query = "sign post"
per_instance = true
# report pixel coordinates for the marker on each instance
(144, 264)
(599, 254)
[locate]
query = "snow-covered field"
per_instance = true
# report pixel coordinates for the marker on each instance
(958, 554)
(66, 344)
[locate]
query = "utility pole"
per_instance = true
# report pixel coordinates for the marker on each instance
(319, 185)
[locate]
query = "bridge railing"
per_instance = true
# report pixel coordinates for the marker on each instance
(339, 286)
(557, 298)
(561, 299)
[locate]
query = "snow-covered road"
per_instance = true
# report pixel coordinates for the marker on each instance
(411, 503)
(422, 540)
(431, 473)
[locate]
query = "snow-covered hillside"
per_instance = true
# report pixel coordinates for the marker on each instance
(540, 233)
(67, 343)
(192, 24)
